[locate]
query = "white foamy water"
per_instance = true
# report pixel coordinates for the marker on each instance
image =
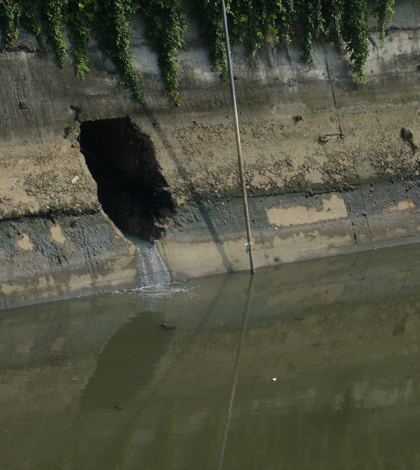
(153, 269)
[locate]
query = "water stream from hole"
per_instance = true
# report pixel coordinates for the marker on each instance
(153, 269)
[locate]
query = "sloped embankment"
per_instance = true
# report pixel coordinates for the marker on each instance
(331, 164)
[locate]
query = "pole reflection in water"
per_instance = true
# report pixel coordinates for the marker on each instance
(97, 383)
(236, 370)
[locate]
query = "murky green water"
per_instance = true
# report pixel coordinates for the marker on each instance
(308, 366)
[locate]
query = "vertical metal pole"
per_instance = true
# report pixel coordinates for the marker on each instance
(238, 140)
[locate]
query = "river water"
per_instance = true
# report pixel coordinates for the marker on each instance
(314, 365)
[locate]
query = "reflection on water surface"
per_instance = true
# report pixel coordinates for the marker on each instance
(97, 383)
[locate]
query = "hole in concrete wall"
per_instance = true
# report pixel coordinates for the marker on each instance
(131, 188)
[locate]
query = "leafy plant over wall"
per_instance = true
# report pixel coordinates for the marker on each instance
(10, 12)
(211, 23)
(112, 21)
(255, 22)
(166, 33)
(81, 17)
(252, 23)
(31, 19)
(55, 13)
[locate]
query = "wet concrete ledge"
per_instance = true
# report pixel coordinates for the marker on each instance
(43, 259)
(208, 236)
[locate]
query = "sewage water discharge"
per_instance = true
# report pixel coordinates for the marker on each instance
(153, 269)
(314, 365)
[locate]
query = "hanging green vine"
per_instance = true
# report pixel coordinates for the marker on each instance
(55, 13)
(31, 19)
(166, 33)
(251, 22)
(383, 10)
(10, 12)
(112, 23)
(356, 34)
(81, 17)
(212, 29)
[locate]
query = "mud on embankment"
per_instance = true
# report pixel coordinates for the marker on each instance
(331, 164)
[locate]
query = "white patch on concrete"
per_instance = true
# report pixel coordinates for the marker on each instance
(46, 283)
(42, 283)
(24, 243)
(405, 205)
(12, 288)
(132, 250)
(57, 234)
(333, 208)
(78, 282)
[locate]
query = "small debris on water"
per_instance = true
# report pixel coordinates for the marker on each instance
(274, 379)
(167, 326)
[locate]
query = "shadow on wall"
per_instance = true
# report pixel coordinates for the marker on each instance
(131, 188)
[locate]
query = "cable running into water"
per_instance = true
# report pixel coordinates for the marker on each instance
(236, 372)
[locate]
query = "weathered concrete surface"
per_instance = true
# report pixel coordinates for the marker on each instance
(46, 184)
(290, 227)
(307, 132)
(43, 259)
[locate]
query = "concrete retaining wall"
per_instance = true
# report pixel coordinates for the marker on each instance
(331, 164)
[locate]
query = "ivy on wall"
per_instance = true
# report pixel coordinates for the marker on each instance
(252, 23)
(255, 22)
